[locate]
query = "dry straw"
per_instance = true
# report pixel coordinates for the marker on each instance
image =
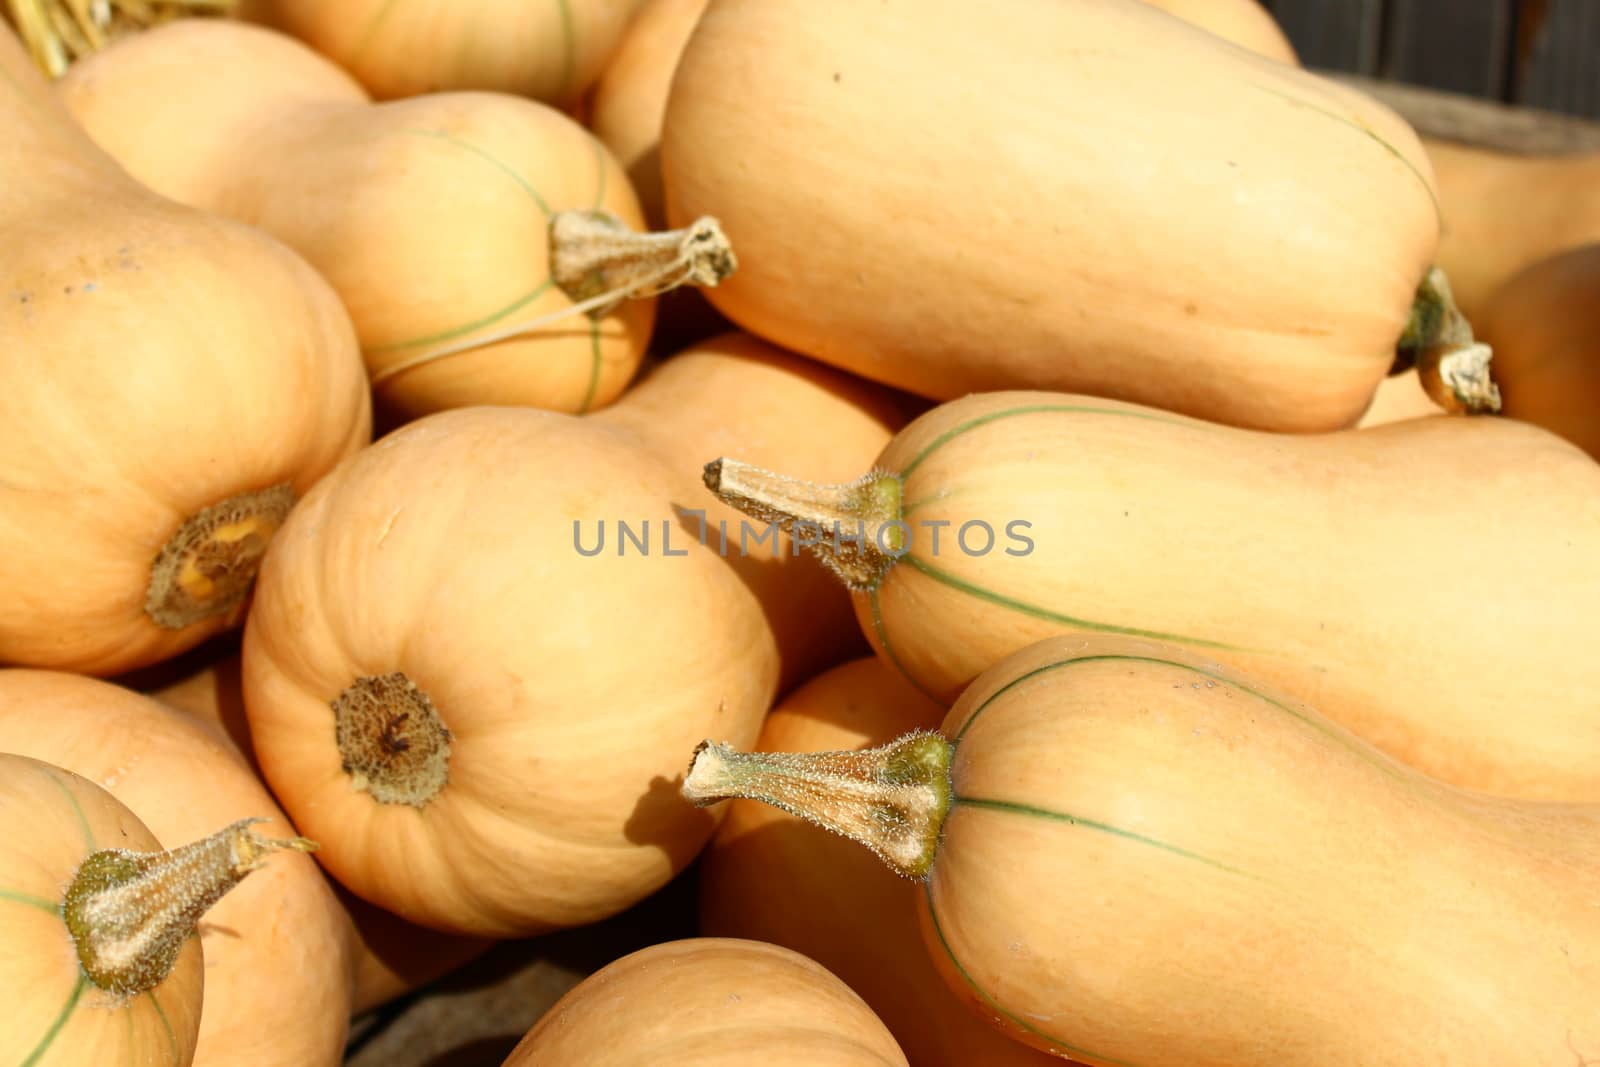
(60, 31)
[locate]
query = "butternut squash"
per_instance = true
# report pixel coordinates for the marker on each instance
(459, 228)
(551, 52)
(1378, 573)
(769, 876)
(1121, 845)
(1213, 264)
(630, 99)
(277, 958)
(1401, 396)
(101, 964)
(1243, 22)
(1545, 327)
(710, 1002)
(212, 694)
(478, 708)
(173, 381)
(390, 957)
(1504, 212)
(734, 393)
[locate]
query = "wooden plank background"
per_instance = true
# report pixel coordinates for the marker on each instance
(1533, 53)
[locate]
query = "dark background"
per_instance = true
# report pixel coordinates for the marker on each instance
(1534, 53)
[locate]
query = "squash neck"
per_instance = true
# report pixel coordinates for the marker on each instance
(893, 799)
(130, 913)
(598, 262)
(855, 530)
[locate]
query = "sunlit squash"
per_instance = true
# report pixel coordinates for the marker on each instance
(1245, 23)
(470, 686)
(100, 963)
(1401, 396)
(277, 957)
(170, 382)
(1504, 212)
(1382, 574)
(551, 52)
(1130, 854)
(709, 1002)
(1191, 250)
(389, 956)
(734, 394)
(456, 227)
(770, 876)
(1544, 324)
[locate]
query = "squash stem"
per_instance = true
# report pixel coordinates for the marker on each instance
(893, 799)
(130, 913)
(208, 566)
(854, 529)
(598, 262)
(1453, 367)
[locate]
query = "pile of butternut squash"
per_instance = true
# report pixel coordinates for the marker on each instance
(1076, 569)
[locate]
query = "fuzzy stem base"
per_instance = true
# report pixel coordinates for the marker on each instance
(893, 799)
(130, 913)
(854, 529)
(392, 741)
(209, 564)
(1438, 341)
(598, 262)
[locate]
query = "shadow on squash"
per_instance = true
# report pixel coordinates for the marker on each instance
(756, 562)
(485, 1052)
(658, 819)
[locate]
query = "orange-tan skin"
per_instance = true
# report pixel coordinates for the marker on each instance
(629, 103)
(1505, 212)
(1400, 397)
(1190, 250)
(212, 695)
(390, 957)
(710, 1002)
(572, 686)
(1244, 22)
(1544, 326)
(51, 815)
(630, 99)
(277, 958)
(769, 876)
(1242, 883)
(427, 215)
(551, 51)
(157, 360)
(734, 395)
(1378, 574)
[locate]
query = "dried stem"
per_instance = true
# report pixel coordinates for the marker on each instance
(893, 799)
(598, 262)
(130, 913)
(1452, 366)
(854, 529)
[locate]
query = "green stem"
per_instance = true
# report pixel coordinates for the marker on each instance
(855, 529)
(130, 913)
(1452, 365)
(893, 799)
